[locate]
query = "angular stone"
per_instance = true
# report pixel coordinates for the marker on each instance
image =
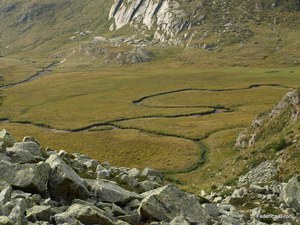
(17, 216)
(147, 172)
(4, 220)
(87, 214)
(239, 193)
(258, 189)
(167, 202)
(38, 213)
(64, 218)
(211, 209)
(30, 146)
(109, 191)
(179, 220)
(291, 193)
(134, 173)
(64, 183)
(134, 218)
(5, 192)
(7, 138)
(28, 177)
(20, 155)
(117, 211)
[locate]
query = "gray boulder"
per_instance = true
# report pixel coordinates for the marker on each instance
(8, 140)
(20, 155)
(147, 172)
(5, 192)
(28, 177)
(4, 220)
(179, 220)
(211, 209)
(86, 214)
(17, 216)
(165, 203)
(109, 191)
(64, 183)
(25, 152)
(291, 193)
(134, 218)
(38, 213)
(65, 219)
(134, 172)
(29, 146)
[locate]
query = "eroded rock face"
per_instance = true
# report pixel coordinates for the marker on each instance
(64, 183)
(163, 16)
(167, 202)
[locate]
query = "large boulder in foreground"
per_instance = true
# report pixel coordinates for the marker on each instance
(64, 183)
(32, 178)
(291, 193)
(165, 203)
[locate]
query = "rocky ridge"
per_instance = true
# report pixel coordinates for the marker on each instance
(40, 186)
(284, 114)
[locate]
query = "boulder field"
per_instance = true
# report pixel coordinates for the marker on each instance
(43, 186)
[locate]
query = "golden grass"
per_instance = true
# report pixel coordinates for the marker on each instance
(219, 166)
(68, 100)
(14, 70)
(129, 148)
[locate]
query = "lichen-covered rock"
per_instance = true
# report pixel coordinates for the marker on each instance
(28, 177)
(165, 203)
(64, 183)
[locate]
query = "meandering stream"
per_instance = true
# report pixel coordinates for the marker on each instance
(202, 158)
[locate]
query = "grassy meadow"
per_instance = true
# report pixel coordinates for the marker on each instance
(185, 111)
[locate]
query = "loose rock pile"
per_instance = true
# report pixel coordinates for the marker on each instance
(53, 187)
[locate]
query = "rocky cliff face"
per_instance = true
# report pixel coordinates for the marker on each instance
(164, 18)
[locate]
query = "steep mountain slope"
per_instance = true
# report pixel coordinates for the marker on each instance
(57, 28)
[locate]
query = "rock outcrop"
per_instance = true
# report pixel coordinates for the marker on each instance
(285, 113)
(164, 17)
